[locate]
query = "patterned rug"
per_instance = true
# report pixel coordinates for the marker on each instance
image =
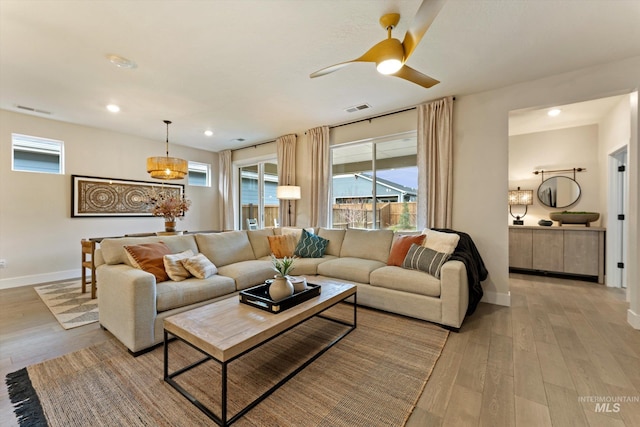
(68, 304)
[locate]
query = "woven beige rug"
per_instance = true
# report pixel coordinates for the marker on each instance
(68, 304)
(373, 377)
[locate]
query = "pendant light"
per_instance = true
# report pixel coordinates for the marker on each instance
(167, 167)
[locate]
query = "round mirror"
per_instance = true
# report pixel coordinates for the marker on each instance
(559, 192)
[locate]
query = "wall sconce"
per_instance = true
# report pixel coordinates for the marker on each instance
(288, 192)
(520, 197)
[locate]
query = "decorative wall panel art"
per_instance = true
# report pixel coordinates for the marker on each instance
(107, 197)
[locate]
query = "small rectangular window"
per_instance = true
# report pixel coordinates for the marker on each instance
(33, 154)
(199, 174)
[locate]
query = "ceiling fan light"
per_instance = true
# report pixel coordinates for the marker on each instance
(388, 66)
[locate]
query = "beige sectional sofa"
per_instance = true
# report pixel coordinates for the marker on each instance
(132, 305)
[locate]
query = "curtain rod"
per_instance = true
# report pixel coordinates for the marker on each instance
(258, 144)
(375, 117)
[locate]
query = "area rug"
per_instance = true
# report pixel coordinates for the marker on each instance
(373, 377)
(69, 305)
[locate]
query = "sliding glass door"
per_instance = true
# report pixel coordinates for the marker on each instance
(258, 203)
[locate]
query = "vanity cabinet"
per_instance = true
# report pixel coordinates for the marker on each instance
(571, 251)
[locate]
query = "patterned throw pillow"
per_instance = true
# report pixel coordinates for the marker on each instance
(150, 258)
(310, 246)
(200, 266)
(174, 267)
(425, 259)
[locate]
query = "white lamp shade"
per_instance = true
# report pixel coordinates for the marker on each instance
(288, 192)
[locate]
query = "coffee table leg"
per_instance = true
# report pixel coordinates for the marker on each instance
(224, 394)
(166, 355)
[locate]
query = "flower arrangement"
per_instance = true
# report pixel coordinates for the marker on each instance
(167, 205)
(284, 266)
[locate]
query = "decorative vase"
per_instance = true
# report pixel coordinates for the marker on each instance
(280, 288)
(169, 226)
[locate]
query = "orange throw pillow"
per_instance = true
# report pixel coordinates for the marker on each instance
(150, 258)
(283, 245)
(400, 247)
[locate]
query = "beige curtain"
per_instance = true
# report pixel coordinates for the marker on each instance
(435, 163)
(225, 188)
(320, 178)
(286, 148)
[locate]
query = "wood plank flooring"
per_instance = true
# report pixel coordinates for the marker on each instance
(536, 363)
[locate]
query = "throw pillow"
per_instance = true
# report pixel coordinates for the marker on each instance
(440, 242)
(425, 259)
(283, 245)
(173, 265)
(150, 258)
(200, 266)
(400, 247)
(311, 246)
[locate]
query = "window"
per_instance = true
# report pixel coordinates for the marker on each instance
(375, 183)
(199, 174)
(33, 154)
(258, 201)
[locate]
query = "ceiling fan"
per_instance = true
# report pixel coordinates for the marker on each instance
(390, 55)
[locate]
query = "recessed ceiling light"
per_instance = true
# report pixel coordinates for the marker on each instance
(121, 62)
(554, 112)
(208, 132)
(113, 108)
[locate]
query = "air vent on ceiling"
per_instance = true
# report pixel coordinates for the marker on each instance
(33, 110)
(357, 108)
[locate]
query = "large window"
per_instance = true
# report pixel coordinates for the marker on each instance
(259, 206)
(33, 154)
(375, 183)
(199, 174)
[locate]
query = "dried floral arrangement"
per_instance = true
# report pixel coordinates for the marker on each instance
(167, 205)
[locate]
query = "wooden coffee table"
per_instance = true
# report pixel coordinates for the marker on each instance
(225, 330)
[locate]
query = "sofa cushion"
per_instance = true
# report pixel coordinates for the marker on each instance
(248, 273)
(283, 245)
(173, 265)
(150, 258)
(311, 246)
(440, 242)
(425, 259)
(307, 266)
(351, 269)
(335, 237)
(170, 295)
(113, 249)
(225, 248)
(200, 266)
(400, 247)
(412, 281)
(367, 244)
(259, 242)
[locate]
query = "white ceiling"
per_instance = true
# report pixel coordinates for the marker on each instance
(241, 67)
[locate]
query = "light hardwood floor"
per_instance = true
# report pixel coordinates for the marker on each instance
(535, 363)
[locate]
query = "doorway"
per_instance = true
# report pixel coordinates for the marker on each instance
(617, 219)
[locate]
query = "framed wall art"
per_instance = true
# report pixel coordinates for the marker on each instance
(109, 197)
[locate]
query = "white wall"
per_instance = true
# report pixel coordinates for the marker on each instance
(38, 237)
(481, 158)
(576, 147)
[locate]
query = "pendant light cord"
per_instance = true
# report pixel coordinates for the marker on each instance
(168, 123)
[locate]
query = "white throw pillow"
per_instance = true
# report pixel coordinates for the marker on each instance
(200, 266)
(439, 241)
(174, 267)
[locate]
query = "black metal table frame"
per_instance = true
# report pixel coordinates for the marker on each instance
(222, 419)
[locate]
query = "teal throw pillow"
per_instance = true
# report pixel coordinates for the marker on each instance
(425, 259)
(310, 246)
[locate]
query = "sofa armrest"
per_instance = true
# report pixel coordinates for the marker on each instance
(127, 304)
(454, 293)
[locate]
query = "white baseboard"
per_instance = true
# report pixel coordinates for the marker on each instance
(633, 319)
(497, 298)
(14, 282)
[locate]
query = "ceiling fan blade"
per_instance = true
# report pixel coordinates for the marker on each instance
(425, 16)
(371, 55)
(415, 76)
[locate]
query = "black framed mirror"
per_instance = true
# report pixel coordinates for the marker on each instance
(559, 192)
